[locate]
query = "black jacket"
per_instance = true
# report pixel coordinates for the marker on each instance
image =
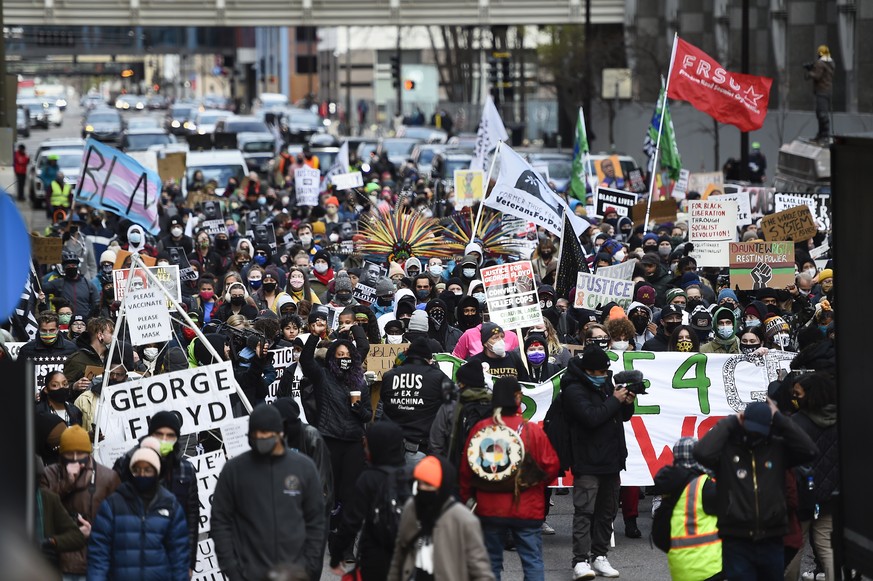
(660, 281)
(411, 396)
(596, 418)
(312, 445)
(268, 510)
(74, 414)
(225, 310)
(671, 480)
(36, 348)
(658, 342)
(821, 427)
(751, 476)
(510, 365)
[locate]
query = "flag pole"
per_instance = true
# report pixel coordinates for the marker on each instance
(665, 87)
(485, 192)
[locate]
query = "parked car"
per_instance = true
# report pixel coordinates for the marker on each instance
(299, 125)
(257, 149)
(157, 102)
(36, 110)
(425, 134)
(446, 162)
(92, 101)
(423, 155)
(103, 125)
(143, 123)
(399, 149)
(22, 122)
(143, 139)
(69, 162)
(560, 167)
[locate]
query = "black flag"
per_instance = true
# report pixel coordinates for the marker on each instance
(572, 260)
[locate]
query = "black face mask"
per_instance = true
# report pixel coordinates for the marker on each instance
(384, 302)
(693, 304)
(59, 395)
(546, 303)
(640, 323)
(71, 273)
(222, 244)
(237, 301)
(269, 287)
(669, 327)
(344, 363)
(428, 504)
(749, 349)
(469, 321)
(438, 317)
(343, 297)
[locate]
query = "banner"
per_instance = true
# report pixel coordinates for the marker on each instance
(167, 275)
(148, 320)
(757, 265)
(732, 98)
(180, 259)
(282, 360)
(794, 224)
(594, 291)
(818, 205)
(572, 261)
(490, 132)
(469, 186)
(681, 186)
(364, 293)
(712, 224)
(511, 294)
(213, 218)
(207, 568)
(110, 180)
(307, 182)
(621, 271)
(207, 466)
(44, 365)
(620, 200)
(347, 181)
(381, 357)
(340, 166)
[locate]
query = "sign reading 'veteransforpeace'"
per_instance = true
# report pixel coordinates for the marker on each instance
(511, 295)
(207, 466)
(593, 291)
(687, 394)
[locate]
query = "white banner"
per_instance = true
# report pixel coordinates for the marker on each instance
(712, 225)
(621, 271)
(207, 568)
(681, 186)
(347, 181)
(208, 467)
(307, 182)
(744, 205)
(594, 291)
(490, 132)
(147, 317)
(511, 294)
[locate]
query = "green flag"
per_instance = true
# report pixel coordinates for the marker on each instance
(669, 152)
(580, 159)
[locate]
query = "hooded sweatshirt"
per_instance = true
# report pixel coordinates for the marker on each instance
(718, 344)
(641, 338)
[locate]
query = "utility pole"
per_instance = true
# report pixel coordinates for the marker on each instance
(744, 68)
(586, 97)
(349, 79)
(4, 106)
(399, 87)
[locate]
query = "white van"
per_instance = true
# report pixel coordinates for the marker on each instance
(219, 165)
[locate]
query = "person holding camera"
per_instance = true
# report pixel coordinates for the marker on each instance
(821, 73)
(596, 410)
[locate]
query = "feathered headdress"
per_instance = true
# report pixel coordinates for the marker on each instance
(491, 235)
(395, 236)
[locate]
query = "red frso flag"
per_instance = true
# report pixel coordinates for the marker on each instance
(732, 98)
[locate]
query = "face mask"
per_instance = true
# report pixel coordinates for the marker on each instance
(107, 268)
(436, 269)
(260, 259)
(320, 267)
(725, 331)
(237, 301)
(422, 294)
(499, 348)
(394, 339)
(438, 317)
(670, 327)
(65, 319)
(176, 232)
(167, 448)
(207, 295)
(752, 323)
(255, 283)
(262, 200)
(536, 357)
(222, 243)
(684, 346)
(231, 230)
(664, 251)
(803, 292)
(640, 324)
(546, 304)
(597, 380)
(306, 240)
(458, 293)
(59, 395)
(334, 237)
(71, 272)
(749, 349)
(150, 353)
(345, 363)
(603, 343)
(269, 287)
(262, 446)
(48, 338)
(413, 272)
(468, 272)
(619, 256)
(135, 238)
(810, 272)
(620, 345)
(295, 283)
(479, 297)
(427, 507)
(203, 244)
(145, 483)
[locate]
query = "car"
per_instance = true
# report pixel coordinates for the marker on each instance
(258, 149)
(326, 157)
(217, 102)
(69, 162)
(241, 124)
(425, 134)
(130, 102)
(180, 119)
(270, 101)
(103, 125)
(36, 109)
(22, 122)
(364, 148)
(54, 114)
(299, 125)
(157, 102)
(399, 149)
(205, 121)
(467, 140)
(324, 140)
(92, 101)
(143, 123)
(560, 167)
(446, 162)
(143, 139)
(219, 165)
(423, 155)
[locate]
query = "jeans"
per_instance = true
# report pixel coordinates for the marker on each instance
(68, 577)
(748, 560)
(19, 184)
(413, 458)
(595, 503)
(528, 543)
(822, 114)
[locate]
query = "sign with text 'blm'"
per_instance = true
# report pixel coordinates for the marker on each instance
(712, 226)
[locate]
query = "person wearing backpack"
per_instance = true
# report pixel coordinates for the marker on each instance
(596, 411)
(381, 491)
(517, 503)
(685, 524)
(438, 538)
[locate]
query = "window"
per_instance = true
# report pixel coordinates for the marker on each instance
(307, 64)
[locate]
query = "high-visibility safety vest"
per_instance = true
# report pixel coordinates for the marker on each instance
(60, 196)
(695, 548)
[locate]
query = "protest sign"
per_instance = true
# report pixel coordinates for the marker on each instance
(207, 466)
(511, 295)
(46, 250)
(148, 320)
(372, 272)
(42, 366)
(195, 198)
(757, 265)
(92, 371)
(180, 259)
(167, 275)
(207, 568)
(700, 181)
(122, 259)
(818, 205)
(263, 234)
(621, 271)
(618, 199)
(213, 218)
(681, 187)
(282, 360)
(235, 436)
(468, 186)
(14, 347)
(712, 225)
(635, 177)
(662, 211)
(346, 181)
(687, 394)
(306, 185)
(364, 293)
(794, 224)
(381, 357)
(171, 166)
(594, 291)
(744, 207)
(110, 180)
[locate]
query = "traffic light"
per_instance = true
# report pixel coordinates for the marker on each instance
(409, 84)
(395, 71)
(127, 73)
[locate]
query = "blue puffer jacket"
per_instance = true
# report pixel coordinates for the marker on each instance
(133, 543)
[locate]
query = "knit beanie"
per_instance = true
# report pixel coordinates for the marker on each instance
(594, 359)
(148, 455)
(265, 418)
(418, 322)
(75, 439)
(342, 283)
(165, 419)
(489, 330)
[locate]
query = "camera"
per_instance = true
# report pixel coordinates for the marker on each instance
(808, 66)
(631, 380)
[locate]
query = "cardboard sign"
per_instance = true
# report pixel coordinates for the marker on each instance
(621, 271)
(46, 250)
(681, 187)
(207, 466)
(699, 182)
(818, 205)
(794, 224)
(469, 186)
(594, 291)
(712, 224)
(364, 293)
(148, 320)
(167, 275)
(171, 166)
(122, 260)
(757, 265)
(744, 207)
(511, 294)
(662, 211)
(195, 198)
(307, 182)
(346, 181)
(381, 357)
(618, 199)
(92, 371)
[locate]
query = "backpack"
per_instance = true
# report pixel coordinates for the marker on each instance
(467, 415)
(499, 461)
(395, 490)
(557, 428)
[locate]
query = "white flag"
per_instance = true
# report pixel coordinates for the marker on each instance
(521, 191)
(491, 131)
(340, 165)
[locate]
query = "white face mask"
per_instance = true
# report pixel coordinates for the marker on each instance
(469, 272)
(334, 237)
(436, 269)
(394, 339)
(150, 353)
(176, 232)
(499, 348)
(305, 240)
(320, 268)
(620, 345)
(619, 256)
(810, 271)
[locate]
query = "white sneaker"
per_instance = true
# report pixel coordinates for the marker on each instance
(603, 568)
(547, 529)
(583, 571)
